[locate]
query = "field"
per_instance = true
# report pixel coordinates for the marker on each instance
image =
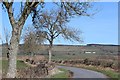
(105, 55)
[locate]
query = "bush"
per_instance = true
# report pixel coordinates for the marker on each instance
(70, 74)
(106, 64)
(85, 61)
(27, 60)
(96, 63)
(115, 66)
(31, 61)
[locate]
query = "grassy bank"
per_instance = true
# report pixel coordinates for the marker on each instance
(4, 65)
(63, 74)
(20, 64)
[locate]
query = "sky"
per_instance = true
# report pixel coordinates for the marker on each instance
(101, 28)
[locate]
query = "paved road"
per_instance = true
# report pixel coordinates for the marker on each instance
(83, 73)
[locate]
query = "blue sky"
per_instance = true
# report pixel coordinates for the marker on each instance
(102, 28)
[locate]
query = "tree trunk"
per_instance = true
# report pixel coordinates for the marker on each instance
(50, 50)
(14, 45)
(50, 54)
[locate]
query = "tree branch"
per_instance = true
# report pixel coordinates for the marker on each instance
(57, 35)
(10, 12)
(26, 11)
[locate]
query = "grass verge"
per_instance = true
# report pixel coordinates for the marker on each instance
(63, 74)
(4, 65)
(20, 64)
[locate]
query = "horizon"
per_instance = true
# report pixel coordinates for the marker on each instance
(74, 45)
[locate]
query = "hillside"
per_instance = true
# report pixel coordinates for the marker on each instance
(71, 49)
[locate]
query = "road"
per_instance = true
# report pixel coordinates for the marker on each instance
(83, 73)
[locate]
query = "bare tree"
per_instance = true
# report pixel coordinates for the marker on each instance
(7, 37)
(17, 25)
(54, 25)
(32, 41)
(29, 43)
(27, 8)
